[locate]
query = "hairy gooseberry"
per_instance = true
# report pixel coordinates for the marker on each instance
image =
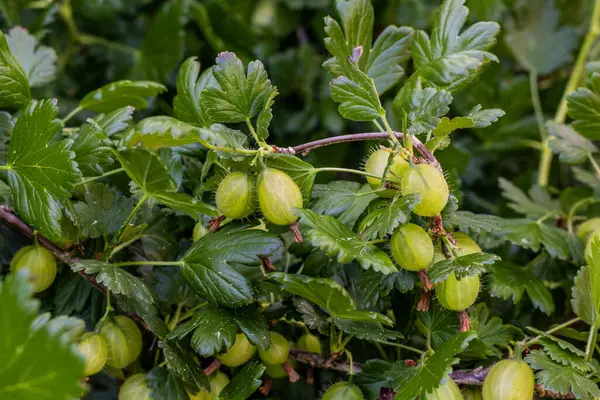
(509, 380)
(235, 196)
(39, 263)
(376, 164)
(446, 391)
(430, 184)
(587, 228)
(135, 388)
(124, 341)
(278, 352)
(465, 245)
(343, 391)
(218, 381)
(278, 195)
(238, 354)
(94, 349)
(412, 248)
(458, 295)
(309, 342)
(199, 231)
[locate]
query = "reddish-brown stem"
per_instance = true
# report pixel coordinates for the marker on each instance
(310, 375)
(296, 232)
(267, 264)
(424, 302)
(214, 224)
(427, 286)
(465, 322)
(212, 367)
(265, 388)
(292, 374)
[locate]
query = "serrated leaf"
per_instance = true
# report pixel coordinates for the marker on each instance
(187, 104)
(14, 87)
(180, 363)
(54, 368)
(334, 198)
(37, 62)
(440, 324)
(377, 374)
(335, 238)
(593, 261)
(161, 131)
(40, 173)
(116, 279)
(244, 383)
(312, 317)
(265, 116)
(484, 118)
(524, 204)
(300, 171)
(214, 331)
(447, 125)
(560, 379)
(450, 59)
(581, 299)
(327, 294)
(539, 44)
(252, 322)
(241, 94)
(427, 375)
(164, 384)
(71, 295)
(390, 50)
(492, 334)
(386, 217)
(505, 281)
(209, 264)
(420, 109)
(565, 353)
(103, 211)
(222, 136)
(467, 221)
(373, 285)
(91, 148)
(531, 234)
(469, 265)
(366, 330)
(584, 108)
(115, 121)
(121, 94)
(571, 147)
(539, 294)
(357, 103)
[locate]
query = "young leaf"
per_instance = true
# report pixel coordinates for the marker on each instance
(572, 147)
(244, 383)
(265, 116)
(161, 131)
(357, 102)
(540, 45)
(121, 94)
(427, 375)
(450, 60)
(390, 50)
(385, 217)
(54, 367)
(561, 379)
(335, 238)
(584, 108)
(581, 298)
(116, 279)
(241, 95)
(14, 87)
(37, 62)
(103, 211)
(40, 174)
(469, 265)
(190, 83)
(92, 149)
(208, 265)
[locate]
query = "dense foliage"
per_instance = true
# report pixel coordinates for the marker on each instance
(299, 199)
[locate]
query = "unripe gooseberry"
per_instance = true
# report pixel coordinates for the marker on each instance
(458, 295)
(412, 248)
(587, 228)
(278, 352)
(509, 380)
(135, 388)
(199, 231)
(276, 371)
(217, 381)
(446, 391)
(465, 245)
(343, 391)
(376, 164)
(278, 196)
(94, 349)
(309, 342)
(39, 263)
(430, 184)
(124, 341)
(235, 196)
(238, 354)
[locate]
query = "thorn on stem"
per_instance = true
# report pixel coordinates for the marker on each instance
(424, 302)
(292, 374)
(465, 322)
(296, 232)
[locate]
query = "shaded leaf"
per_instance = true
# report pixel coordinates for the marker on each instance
(244, 383)
(469, 265)
(386, 217)
(37, 62)
(572, 148)
(103, 211)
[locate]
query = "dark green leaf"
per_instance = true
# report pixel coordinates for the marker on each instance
(190, 83)
(531, 234)
(584, 108)
(164, 384)
(121, 94)
(357, 103)
(72, 294)
(214, 331)
(312, 317)
(373, 285)
(492, 334)
(161, 131)
(183, 365)
(581, 299)
(390, 50)
(91, 148)
(506, 281)
(469, 265)
(244, 383)
(528, 205)
(386, 217)
(37, 62)
(14, 87)
(467, 221)
(365, 330)
(440, 323)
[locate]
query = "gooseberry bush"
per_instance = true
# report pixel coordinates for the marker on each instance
(299, 199)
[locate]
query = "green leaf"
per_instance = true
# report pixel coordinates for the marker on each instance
(335, 238)
(447, 125)
(560, 379)
(327, 294)
(373, 285)
(163, 45)
(581, 299)
(14, 87)
(539, 294)
(214, 331)
(377, 374)
(584, 108)
(531, 234)
(116, 279)
(440, 324)
(467, 221)
(72, 294)
(161, 131)
(164, 384)
(572, 147)
(40, 173)
(209, 264)
(357, 102)
(265, 116)
(37, 62)
(300, 171)
(450, 59)
(92, 149)
(115, 121)
(593, 261)
(312, 317)
(54, 368)
(390, 50)
(186, 204)
(427, 375)
(536, 205)
(241, 95)
(121, 94)
(187, 104)
(344, 200)
(469, 265)
(506, 281)
(385, 217)
(492, 334)
(181, 364)
(420, 108)
(366, 330)
(564, 353)
(484, 118)
(103, 211)
(244, 383)
(254, 325)
(222, 136)
(538, 43)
